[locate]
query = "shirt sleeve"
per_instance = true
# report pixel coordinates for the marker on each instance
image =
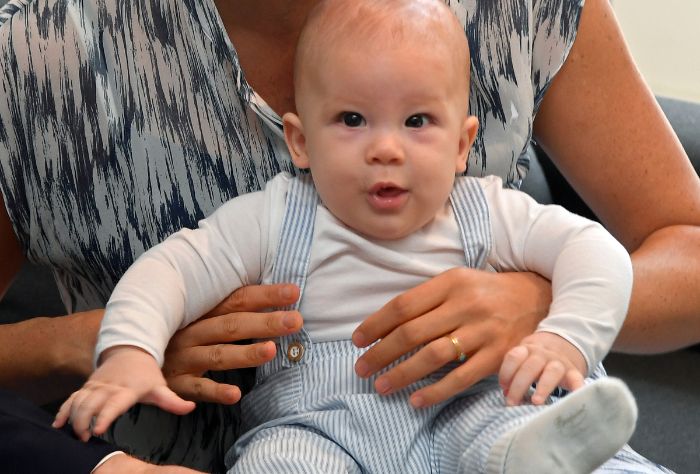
(591, 273)
(185, 276)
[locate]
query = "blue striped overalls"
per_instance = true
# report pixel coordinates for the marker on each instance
(310, 412)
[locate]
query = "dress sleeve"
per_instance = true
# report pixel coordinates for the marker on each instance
(555, 23)
(591, 273)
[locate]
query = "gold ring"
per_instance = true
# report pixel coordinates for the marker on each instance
(461, 356)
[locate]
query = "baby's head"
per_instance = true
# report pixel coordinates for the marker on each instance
(381, 89)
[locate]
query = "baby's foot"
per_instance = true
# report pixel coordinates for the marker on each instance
(574, 435)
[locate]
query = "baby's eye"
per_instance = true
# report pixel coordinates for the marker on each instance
(417, 121)
(352, 119)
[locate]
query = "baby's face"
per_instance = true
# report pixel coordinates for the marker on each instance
(384, 131)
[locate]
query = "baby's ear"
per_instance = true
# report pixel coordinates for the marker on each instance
(466, 140)
(295, 139)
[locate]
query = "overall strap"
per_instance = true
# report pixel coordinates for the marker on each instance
(291, 265)
(472, 213)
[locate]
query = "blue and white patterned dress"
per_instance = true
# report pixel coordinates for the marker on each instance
(122, 121)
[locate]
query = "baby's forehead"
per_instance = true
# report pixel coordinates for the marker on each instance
(380, 24)
(375, 29)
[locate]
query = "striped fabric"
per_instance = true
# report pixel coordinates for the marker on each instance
(292, 261)
(472, 214)
(315, 415)
(320, 398)
(329, 404)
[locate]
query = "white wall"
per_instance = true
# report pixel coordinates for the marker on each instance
(664, 37)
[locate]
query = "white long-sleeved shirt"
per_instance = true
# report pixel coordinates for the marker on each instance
(351, 276)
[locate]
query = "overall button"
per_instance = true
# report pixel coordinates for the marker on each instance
(295, 351)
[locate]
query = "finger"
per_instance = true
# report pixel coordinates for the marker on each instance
(114, 406)
(197, 360)
(551, 377)
(523, 379)
(512, 361)
(237, 327)
(86, 406)
(167, 400)
(64, 411)
(427, 360)
(430, 327)
(573, 380)
(477, 367)
(405, 307)
(430, 358)
(256, 298)
(202, 389)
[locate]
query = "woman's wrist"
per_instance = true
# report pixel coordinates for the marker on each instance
(73, 338)
(46, 358)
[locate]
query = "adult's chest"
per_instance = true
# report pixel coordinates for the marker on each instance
(147, 132)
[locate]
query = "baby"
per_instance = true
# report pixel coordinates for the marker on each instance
(382, 123)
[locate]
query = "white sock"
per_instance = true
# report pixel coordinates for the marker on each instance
(574, 435)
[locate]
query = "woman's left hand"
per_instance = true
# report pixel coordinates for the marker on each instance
(481, 314)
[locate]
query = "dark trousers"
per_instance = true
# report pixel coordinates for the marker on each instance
(28, 443)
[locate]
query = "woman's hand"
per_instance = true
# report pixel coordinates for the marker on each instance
(208, 343)
(487, 313)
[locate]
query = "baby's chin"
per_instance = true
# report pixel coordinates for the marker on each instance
(389, 228)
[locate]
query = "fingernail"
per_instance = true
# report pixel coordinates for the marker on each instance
(289, 320)
(265, 349)
(417, 401)
(359, 339)
(361, 368)
(286, 292)
(382, 385)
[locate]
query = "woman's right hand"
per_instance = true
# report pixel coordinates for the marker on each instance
(212, 342)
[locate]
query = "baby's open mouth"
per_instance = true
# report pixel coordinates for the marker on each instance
(389, 191)
(387, 197)
(386, 190)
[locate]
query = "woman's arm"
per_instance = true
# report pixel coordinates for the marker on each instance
(42, 358)
(601, 125)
